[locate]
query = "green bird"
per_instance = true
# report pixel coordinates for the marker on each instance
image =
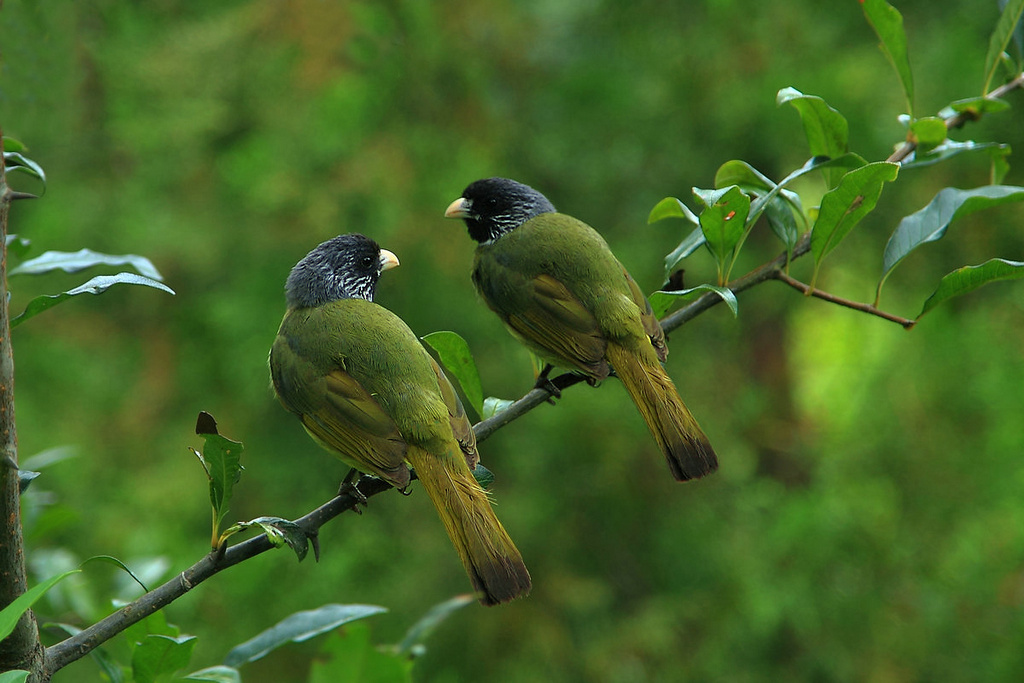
(367, 391)
(559, 289)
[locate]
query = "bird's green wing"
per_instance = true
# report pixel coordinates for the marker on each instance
(557, 323)
(462, 428)
(349, 421)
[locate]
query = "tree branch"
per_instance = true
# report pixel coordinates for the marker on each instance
(80, 644)
(864, 308)
(21, 649)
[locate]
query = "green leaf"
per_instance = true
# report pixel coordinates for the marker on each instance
(215, 674)
(951, 148)
(221, 458)
(670, 207)
(158, 654)
(928, 132)
(969, 278)
(72, 262)
(1018, 38)
(826, 129)
(1000, 39)
(422, 629)
(930, 223)
(14, 161)
(297, 628)
(10, 615)
(25, 479)
(888, 25)
(782, 222)
(662, 301)
(737, 172)
(108, 559)
(843, 207)
(493, 406)
(280, 532)
(976, 106)
(723, 220)
(97, 285)
(483, 476)
(750, 180)
(14, 676)
(453, 352)
(690, 244)
(13, 145)
(19, 246)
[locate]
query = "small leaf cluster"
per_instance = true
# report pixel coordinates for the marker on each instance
(742, 195)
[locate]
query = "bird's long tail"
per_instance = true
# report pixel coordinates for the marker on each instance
(491, 559)
(686, 448)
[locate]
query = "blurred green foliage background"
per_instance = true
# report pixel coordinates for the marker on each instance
(868, 519)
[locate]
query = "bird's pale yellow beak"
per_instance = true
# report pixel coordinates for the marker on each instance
(387, 260)
(458, 209)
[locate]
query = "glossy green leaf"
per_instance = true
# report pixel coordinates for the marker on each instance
(951, 148)
(843, 163)
(96, 285)
(297, 628)
(18, 246)
(930, 223)
(690, 244)
(280, 532)
(662, 301)
(422, 629)
(109, 559)
(493, 406)
(782, 222)
(16, 162)
(1011, 15)
(826, 129)
(14, 676)
(928, 132)
(670, 207)
(723, 219)
(453, 353)
(976, 106)
(221, 459)
(25, 479)
(778, 210)
(72, 262)
(215, 674)
(888, 25)
(483, 476)
(969, 278)
(738, 172)
(13, 145)
(843, 207)
(1018, 38)
(158, 655)
(10, 614)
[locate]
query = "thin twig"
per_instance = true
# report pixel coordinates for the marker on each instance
(832, 298)
(959, 119)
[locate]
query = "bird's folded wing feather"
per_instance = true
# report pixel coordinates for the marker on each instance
(558, 321)
(651, 325)
(351, 421)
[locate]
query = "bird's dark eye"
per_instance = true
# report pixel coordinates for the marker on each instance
(367, 261)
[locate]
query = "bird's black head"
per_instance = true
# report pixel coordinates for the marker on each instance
(345, 267)
(494, 206)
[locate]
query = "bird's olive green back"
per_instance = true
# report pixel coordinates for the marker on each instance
(557, 285)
